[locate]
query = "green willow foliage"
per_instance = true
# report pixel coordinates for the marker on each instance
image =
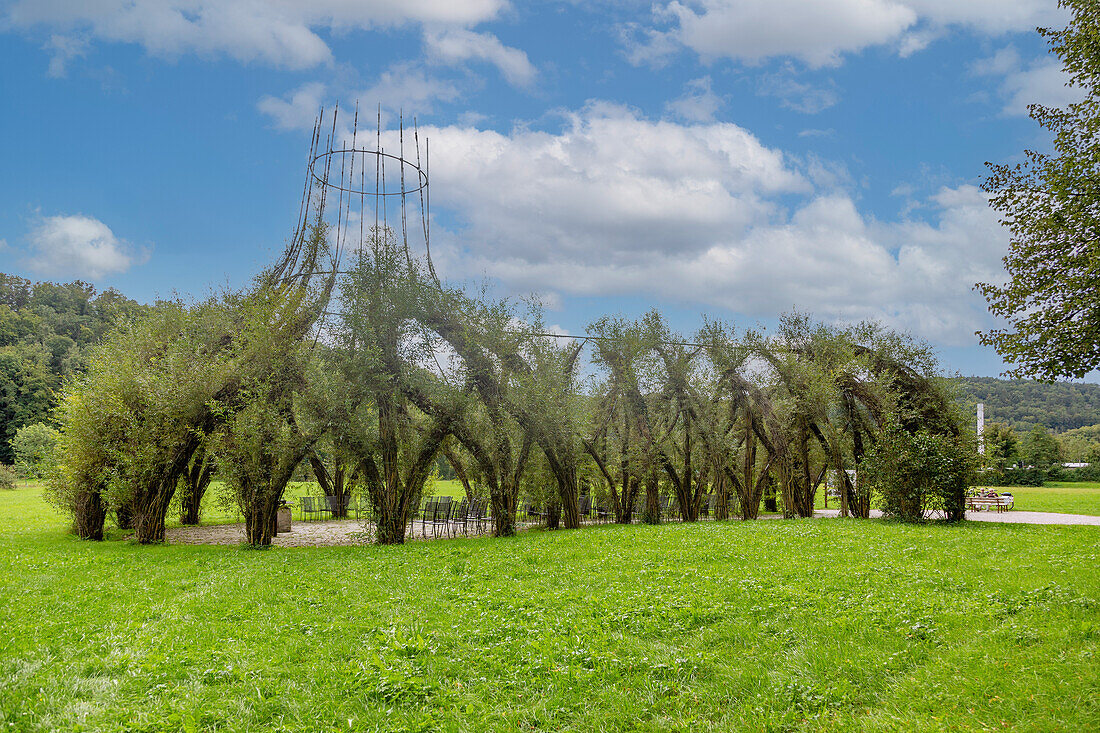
(718, 420)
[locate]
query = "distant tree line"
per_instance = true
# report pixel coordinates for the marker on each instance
(1031, 458)
(1023, 403)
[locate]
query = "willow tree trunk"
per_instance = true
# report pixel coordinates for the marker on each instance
(89, 514)
(569, 511)
(652, 513)
(859, 502)
(504, 512)
(624, 507)
(260, 523)
(198, 481)
(150, 506)
(689, 505)
(391, 530)
(722, 496)
(149, 517)
(553, 514)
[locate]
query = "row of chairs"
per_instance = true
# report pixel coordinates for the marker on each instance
(314, 506)
(442, 515)
(446, 516)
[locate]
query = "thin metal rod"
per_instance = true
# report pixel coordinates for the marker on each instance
(401, 151)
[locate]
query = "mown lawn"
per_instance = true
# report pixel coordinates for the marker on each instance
(1064, 497)
(771, 625)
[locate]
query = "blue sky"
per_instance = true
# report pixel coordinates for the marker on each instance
(737, 158)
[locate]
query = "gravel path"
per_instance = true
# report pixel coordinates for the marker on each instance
(351, 532)
(1009, 517)
(302, 534)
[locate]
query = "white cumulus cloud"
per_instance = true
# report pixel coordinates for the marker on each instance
(457, 45)
(78, 246)
(699, 103)
(296, 111)
(703, 213)
(1038, 81)
(278, 32)
(409, 88)
(821, 32)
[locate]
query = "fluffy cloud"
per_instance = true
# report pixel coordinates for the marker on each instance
(608, 187)
(278, 32)
(1040, 81)
(699, 102)
(617, 204)
(404, 87)
(78, 246)
(795, 95)
(456, 46)
(409, 88)
(820, 32)
(64, 49)
(297, 111)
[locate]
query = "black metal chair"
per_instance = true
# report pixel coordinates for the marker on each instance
(482, 515)
(584, 507)
(603, 513)
(337, 505)
(441, 517)
(706, 506)
(425, 515)
(460, 518)
(312, 505)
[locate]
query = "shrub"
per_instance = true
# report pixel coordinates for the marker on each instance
(1014, 477)
(34, 447)
(911, 473)
(8, 477)
(1088, 473)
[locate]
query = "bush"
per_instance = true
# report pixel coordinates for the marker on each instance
(34, 447)
(8, 477)
(1014, 477)
(1088, 473)
(911, 473)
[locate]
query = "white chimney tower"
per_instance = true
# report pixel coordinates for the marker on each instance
(981, 428)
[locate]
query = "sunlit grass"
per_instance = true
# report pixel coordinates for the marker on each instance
(778, 625)
(1061, 497)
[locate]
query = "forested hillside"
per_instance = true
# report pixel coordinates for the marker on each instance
(45, 329)
(1022, 404)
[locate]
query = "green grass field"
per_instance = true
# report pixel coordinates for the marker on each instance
(1056, 496)
(774, 625)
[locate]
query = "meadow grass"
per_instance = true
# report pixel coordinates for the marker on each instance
(1063, 497)
(771, 625)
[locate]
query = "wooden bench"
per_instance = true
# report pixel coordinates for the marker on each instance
(1000, 503)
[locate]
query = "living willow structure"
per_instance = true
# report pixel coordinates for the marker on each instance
(350, 356)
